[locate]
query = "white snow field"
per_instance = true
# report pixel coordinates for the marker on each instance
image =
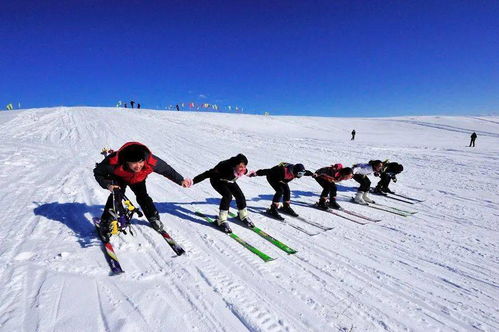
(435, 270)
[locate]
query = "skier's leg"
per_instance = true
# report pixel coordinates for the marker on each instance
(325, 192)
(332, 197)
(222, 188)
(147, 205)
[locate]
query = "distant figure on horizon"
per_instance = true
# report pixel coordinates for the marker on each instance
(125, 105)
(353, 135)
(138, 106)
(178, 109)
(132, 102)
(473, 138)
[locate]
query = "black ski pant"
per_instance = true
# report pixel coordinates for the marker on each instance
(472, 142)
(227, 190)
(365, 183)
(281, 190)
(143, 198)
(328, 188)
(384, 182)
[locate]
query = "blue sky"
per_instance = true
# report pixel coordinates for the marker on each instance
(327, 58)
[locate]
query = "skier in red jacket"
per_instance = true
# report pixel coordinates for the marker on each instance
(130, 166)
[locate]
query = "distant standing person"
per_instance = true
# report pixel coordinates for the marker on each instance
(473, 138)
(132, 103)
(178, 109)
(125, 105)
(353, 135)
(138, 106)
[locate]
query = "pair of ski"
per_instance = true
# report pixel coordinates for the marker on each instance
(397, 197)
(365, 219)
(257, 230)
(112, 258)
(296, 216)
(387, 208)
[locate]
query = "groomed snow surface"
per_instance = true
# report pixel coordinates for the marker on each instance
(436, 270)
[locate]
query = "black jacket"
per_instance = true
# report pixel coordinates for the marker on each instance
(223, 171)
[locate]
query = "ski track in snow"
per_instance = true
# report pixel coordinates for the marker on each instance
(436, 270)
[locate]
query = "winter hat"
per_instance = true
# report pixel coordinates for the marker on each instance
(241, 158)
(375, 162)
(298, 170)
(398, 168)
(345, 171)
(133, 153)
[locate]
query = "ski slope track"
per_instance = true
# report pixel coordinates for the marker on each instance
(435, 270)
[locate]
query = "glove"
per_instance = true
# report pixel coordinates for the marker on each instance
(251, 174)
(186, 183)
(376, 173)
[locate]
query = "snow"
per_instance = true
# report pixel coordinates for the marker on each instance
(436, 270)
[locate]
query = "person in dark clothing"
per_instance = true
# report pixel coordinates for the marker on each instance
(353, 135)
(138, 106)
(279, 176)
(223, 179)
(327, 178)
(125, 105)
(178, 108)
(473, 138)
(132, 103)
(130, 166)
(388, 173)
(360, 173)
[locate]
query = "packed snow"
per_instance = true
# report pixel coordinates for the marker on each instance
(435, 270)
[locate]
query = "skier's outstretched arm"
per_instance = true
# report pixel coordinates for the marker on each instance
(167, 171)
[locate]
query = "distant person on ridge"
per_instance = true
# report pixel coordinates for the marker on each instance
(178, 108)
(353, 135)
(361, 171)
(223, 179)
(327, 178)
(473, 138)
(132, 103)
(388, 172)
(138, 106)
(130, 166)
(279, 176)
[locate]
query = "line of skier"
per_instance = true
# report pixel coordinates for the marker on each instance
(133, 162)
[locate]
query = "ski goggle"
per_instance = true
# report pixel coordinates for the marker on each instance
(300, 174)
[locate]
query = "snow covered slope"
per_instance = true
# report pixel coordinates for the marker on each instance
(436, 270)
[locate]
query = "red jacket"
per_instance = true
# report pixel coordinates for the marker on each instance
(114, 168)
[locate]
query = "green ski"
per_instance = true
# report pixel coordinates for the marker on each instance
(269, 238)
(245, 244)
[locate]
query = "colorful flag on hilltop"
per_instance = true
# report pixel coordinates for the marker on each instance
(10, 107)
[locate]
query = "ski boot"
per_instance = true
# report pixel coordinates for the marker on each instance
(359, 199)
(286, 209)
(105, 229)
(378, 191)
(333, 205)
(367, 199)
(222, 221)
(322, 204)
(272, 212)
(243, 216)
(156, 222)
